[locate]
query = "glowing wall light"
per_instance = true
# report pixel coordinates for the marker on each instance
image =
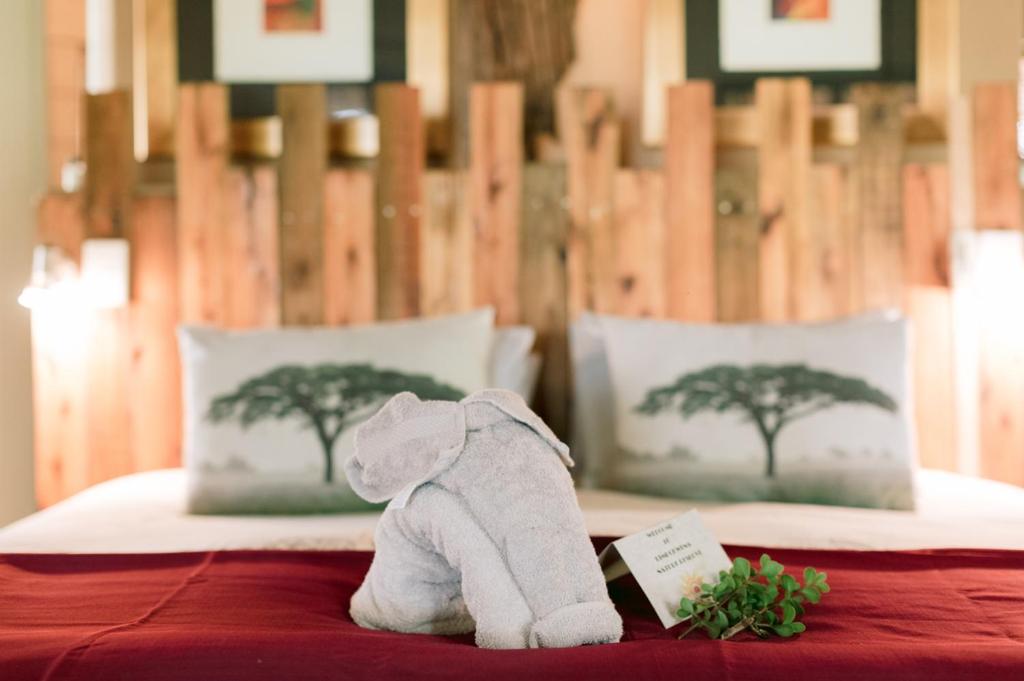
(53, 274)
(104, 277)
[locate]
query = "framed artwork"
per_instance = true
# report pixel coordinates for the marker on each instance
(279, 41)
(832, 42)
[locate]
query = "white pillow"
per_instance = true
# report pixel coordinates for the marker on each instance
(513, 365)
(846, 438)
(269, 414)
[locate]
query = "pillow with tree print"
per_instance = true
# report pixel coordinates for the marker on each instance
(811, 413)
(270, 414)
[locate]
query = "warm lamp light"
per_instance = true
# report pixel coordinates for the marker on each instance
(104, 278)
(52, 271)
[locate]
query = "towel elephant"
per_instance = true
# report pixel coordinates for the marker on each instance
(483, 530)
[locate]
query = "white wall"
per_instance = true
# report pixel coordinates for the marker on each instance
(22, 180)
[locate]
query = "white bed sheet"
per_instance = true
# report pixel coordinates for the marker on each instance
(145, 513)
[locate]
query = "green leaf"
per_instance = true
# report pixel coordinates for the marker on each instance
(798, 627)
(789, 585)
(714, 631)
(685, 608)
(783, 630)
(811, 594)
(788, 613)
(771, 569)
(765, 559)
(824, 588)
(741, 567)
(810, 574)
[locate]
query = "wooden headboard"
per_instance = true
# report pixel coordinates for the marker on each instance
(781, 210)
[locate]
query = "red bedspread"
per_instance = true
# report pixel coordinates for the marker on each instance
(283, 615)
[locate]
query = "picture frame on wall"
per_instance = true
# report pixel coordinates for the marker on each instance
(281, 41)
(834, 43)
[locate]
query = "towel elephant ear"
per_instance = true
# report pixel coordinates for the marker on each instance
(513, 404)
(407, 442)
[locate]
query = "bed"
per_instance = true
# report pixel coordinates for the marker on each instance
(118, 582)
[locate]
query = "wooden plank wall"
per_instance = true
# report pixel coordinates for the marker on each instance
(756, 223)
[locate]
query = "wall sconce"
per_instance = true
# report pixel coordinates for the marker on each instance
(101, 282)
(104, 277)
(52, 272)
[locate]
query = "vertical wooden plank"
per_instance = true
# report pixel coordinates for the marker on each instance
(664, 63)
(110, 158)
(638, 229)
(154, 371)
(999, 278)
(929, 307)
(65, 83)
(350, 277)
(997, 203)
(156, 73)
(832, 246)
(426, 66)
(926, 225)
(544, 286)
(447, 263)
(58, 367)
(202, 154)
(879, 172)
(784, 119)
(590, 134)
(399, 201)
(250, 248)
(936, 56)
(738, 236)
(495, 171)
(689, 178)
(303, 111)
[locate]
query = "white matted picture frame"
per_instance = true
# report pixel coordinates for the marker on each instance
(280, 41)
(790, 35)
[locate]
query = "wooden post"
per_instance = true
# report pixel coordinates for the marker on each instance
(250, 248)
(496, 163)
(156, 76)
(303, 111)
(590, 133)
(399, 201)
(638, 231)
(202, 157)
(110, 159)
(996, 172)
(446, 262)
(65, 83)
(350, 274)
(738, 236)
(879, 173)
(784, 118)
(690, 196)
(544, 287)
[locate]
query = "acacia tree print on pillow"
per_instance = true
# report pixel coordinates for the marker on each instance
(769, 396)
(326, 398)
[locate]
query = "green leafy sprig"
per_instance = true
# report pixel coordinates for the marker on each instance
(764, 600)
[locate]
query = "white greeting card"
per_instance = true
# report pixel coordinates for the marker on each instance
(668, 560)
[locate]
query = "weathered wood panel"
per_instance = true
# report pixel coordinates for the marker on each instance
(59, 387)
(878, 168)
(639, 237)
(738, 237)
(154, 373)
(110, 158)
(590, 134)
(202, 157)
(156, 73)
(832, 247)
(350, 275)
(997, 203)
(929, 306)
(303, 112)
(496, 185)
(784, 120)
(544, 286)
(65, 83)
(399, 201)
(250, 248)
(447, 264)
(690, 217)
